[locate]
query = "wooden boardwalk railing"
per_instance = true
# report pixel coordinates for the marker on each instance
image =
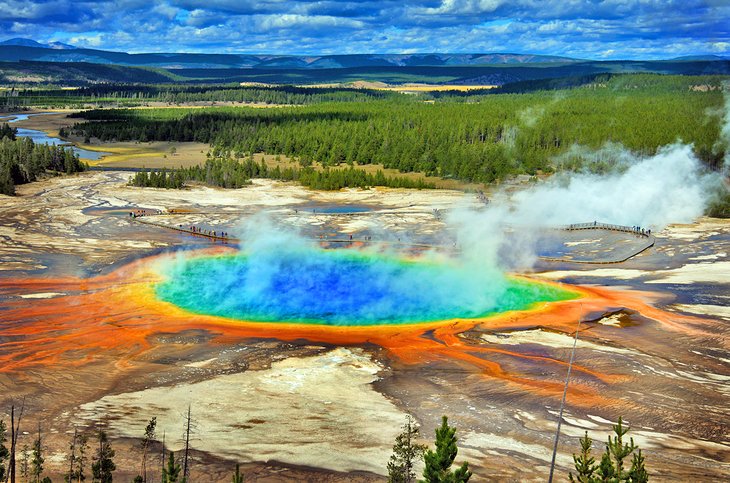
(636, 230)
(215, 235)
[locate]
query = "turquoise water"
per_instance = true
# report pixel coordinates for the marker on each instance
(343, 288)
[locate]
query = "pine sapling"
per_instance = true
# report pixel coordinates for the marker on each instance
(585, 464)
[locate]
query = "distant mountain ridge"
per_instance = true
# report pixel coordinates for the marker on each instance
(701, 57)
(24, 61)
(23, 49)
(84, 73)
(21, 42)
(18, 49)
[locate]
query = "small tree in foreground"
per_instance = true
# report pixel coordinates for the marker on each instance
(149, 437)
(171, 473)
(103, 465)
(37, 461)
(82, 445)
(4, 453)
(25, 462)
(237, 476)
(405, 453)
(585, 464)
(611, 467)
(438, 463)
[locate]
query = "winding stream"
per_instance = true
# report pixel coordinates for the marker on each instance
(40, 137)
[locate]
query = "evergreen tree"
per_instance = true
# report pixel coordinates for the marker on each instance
(72, 457)
(22, 161)
(6, 131)
(4, 452)
(7, 183)
(606, 470)
(638, 473)
(149, 437)
(103, 465)
(611, 467)
(25, 462)
(171, 473)
(79, 460)
(618, 450)
(36, 463)
(405, 452)
(237, 476)
(438, 463)
(584, 464)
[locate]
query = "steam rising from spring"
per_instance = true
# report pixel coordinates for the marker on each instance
(669, 187)
(282, 277)
(672, 186)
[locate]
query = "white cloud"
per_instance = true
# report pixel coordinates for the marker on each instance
(270, 22)
(87, 40)
(578, 28)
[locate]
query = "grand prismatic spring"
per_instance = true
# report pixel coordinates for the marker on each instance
(344, 288)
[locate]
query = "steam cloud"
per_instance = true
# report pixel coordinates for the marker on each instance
(280, 276)
(670, 187)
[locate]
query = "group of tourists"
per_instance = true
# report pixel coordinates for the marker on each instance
(641, 231)
(633, 229)
(140, 213)
(482, 197)
(203, 231)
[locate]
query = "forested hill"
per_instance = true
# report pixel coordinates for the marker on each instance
(78, 73)
(25, 72)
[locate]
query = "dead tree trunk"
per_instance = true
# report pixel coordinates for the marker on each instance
(73, 456)
(14, 431)
(163, 456)
(11, 469)
(186, 474)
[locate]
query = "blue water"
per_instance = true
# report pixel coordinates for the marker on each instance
(39, 137)
(341, 288)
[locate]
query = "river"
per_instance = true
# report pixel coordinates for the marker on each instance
(40, 137)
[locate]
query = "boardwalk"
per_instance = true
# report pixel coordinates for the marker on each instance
(636, 230)
(146, 216)
(647, 241)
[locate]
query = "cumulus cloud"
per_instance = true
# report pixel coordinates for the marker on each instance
(298, 21)
(579, 28)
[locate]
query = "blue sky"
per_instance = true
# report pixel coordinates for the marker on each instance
(614, 29)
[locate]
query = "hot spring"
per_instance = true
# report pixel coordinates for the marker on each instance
(344, 288)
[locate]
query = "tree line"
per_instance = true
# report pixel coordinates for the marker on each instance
(407, 451)
(23, 161)
(600, 81)
(233, 173)
(487, 140)
(224, 173)
(136, 94)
